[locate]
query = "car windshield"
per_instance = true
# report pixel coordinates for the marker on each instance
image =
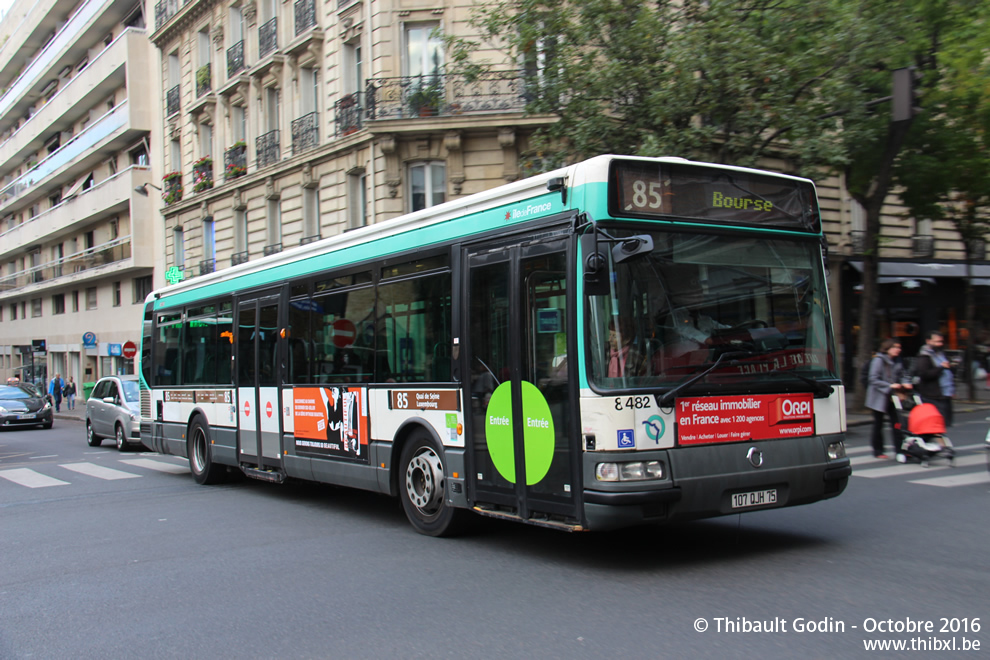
(758, 303)
(131, 392)
(10, 392)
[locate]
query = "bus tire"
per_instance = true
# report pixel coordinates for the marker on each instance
(422, 486)
(201, 464)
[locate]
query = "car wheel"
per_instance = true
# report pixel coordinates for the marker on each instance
(47, 425)
(121, 438)
(422, 489)
(92, 439)
(201, 464)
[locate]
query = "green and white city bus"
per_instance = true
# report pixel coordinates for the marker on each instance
(622, 341)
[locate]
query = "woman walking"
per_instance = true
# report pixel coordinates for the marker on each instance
(886, 378)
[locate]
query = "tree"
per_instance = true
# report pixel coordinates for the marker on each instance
(738, 82)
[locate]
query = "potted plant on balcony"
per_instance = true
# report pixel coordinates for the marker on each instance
(203, 174)
(172, 187)
(236, 161)
(426, 97)
(203, 80)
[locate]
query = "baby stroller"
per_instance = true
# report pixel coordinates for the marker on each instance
(925, 439)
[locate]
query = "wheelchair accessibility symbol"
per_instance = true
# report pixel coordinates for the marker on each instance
(655, 428)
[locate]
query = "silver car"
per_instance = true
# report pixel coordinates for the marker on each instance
(114, 410)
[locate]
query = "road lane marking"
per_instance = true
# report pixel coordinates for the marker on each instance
(30, 478)
(171, 468)
(100, 472)
(956, 480)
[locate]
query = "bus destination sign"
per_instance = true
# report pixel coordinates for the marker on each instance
(685, 191)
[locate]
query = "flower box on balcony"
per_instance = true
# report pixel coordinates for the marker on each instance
(172, 188)
(235, 160)
(203, 174)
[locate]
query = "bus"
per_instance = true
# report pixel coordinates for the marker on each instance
(622, 341)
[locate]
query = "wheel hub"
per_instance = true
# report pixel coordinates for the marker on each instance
(424, 481)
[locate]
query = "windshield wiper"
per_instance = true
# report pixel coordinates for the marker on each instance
(820, 390)
(668, 397)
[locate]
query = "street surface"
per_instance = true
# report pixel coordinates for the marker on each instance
(110, 555)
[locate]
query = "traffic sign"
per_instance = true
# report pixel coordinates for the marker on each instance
(129, 350)
(344, 333)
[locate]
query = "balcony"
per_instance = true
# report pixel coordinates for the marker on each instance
(57, 272)
(267, 149)
(274, 248)
(444, 95)
(203, 174)
(172, 101)
(305, 15)
(172, 188)
(88, 88)
(109, 197)
(235, 161)
(164, 11)
(204, 80)
(857, 241)
(114, 130)
(239, 258)
(305, 133)
(207, 266)
(268, 38)
(76, 30)
(306, 240)
(235, 59)
(347, 114)
(922, 245)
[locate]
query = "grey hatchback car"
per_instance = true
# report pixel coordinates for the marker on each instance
(114, 410)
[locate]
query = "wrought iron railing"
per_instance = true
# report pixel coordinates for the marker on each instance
(268, 37)
(203, 175)
(172, 101)
(172, 188)
(204, 80)
(923, 245)
(305, 133)
(305, 15)
(857, 241)
(306, 240)
(347, 114)
(239, 257)
(207, 266)
(235, 162)
(274, 248)
(235, 59)
(444, 95)
(976, 249)
(165, 10)
(267, 148)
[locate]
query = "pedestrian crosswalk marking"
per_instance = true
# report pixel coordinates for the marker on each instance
(910, 468)
(950, 481)
(30, 478)
(160, 466)
(99, 471)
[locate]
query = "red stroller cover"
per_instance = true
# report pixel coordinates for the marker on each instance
(925, 419)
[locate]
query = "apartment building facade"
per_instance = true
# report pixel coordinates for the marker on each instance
(78, 242)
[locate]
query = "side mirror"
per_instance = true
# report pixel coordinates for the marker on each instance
(594, 266)
(634, 246)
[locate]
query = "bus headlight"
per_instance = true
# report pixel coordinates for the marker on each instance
(836, 450)
(632, 471)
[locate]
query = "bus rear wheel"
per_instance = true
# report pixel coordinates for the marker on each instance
(201, 464)
(422, 489)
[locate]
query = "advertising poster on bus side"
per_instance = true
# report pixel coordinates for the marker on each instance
(331, 421)
(714, 419)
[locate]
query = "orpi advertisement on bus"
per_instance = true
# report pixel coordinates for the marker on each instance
(707, 420)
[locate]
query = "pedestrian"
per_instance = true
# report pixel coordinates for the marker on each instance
(933, 373)
(886, 379)
(70, 394)
(55, 390)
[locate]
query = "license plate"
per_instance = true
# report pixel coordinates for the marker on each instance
(25, 417)
(754, 498)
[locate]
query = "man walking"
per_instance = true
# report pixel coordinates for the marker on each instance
(55, 390)
(936, 384)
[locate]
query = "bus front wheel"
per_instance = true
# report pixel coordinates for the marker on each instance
(201, 464)
(422, 489)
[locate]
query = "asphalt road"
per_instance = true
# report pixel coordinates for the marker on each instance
(125, 560)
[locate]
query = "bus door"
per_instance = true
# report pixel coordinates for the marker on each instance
(259, 362)
(521, 452)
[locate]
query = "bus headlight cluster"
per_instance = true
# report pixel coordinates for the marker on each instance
(836, 450)
(634, 471)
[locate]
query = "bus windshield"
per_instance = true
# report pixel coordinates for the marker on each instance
(756, 305)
